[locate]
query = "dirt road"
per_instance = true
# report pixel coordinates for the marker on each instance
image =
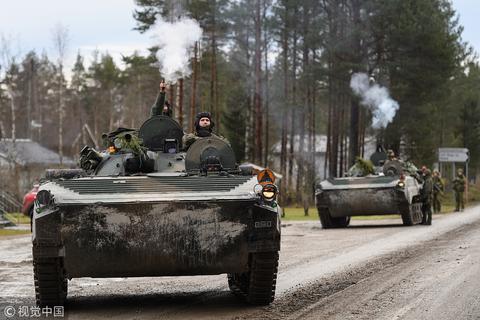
(372, 270)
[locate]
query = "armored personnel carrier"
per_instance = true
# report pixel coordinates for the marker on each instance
(393, 189)
(143, 207)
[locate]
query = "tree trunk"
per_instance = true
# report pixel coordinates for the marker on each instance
(258, 85)
(267, 89)
(171, 100)
(194, 89)
(60, 115)
(180, 102)
(355, 108)
(283, 154)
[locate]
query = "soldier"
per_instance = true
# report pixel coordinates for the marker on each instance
(161, 106)
(438, 189)
(203, 129)
(391, 155)
(459, 188)
(427, 196)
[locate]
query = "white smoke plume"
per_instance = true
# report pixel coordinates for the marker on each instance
(376, 98)
(175, 41)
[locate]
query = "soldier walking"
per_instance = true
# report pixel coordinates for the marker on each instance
(459, 188)
(438, 189)
(427, 196)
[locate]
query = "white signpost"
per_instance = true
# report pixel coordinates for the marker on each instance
(452, 154)
(455, 155)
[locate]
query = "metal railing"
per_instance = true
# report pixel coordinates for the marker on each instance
(9, 203)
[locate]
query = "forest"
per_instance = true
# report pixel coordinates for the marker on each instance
(272, 72)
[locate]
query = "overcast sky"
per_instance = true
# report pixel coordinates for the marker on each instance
(107, 25)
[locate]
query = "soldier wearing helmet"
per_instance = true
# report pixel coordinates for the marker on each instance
(427, 196)
(438, 189)
(391, 155)
(459, 189)
(203, 129)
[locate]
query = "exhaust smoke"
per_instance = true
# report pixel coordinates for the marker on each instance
(376, 98)
(175, 39)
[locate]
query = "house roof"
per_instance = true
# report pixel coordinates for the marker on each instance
(26, 152)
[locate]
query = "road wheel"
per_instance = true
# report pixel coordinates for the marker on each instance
(257, 286)
(328, 221)
(50, 281)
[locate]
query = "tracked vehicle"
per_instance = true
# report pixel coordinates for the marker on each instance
(391, 190)
(149, 209)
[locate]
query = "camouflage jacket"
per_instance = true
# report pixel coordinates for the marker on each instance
(459, 184)
(157, 108)
(427, 189)
(190, 138)
(437, 185)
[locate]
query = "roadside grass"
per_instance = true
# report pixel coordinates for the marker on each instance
(17, 218)
(298, 214)
(12, 232)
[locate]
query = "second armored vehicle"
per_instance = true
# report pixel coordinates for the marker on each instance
(393, 190)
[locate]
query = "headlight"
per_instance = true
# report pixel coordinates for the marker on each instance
(401, 184)
(44, 198)
(269, 192)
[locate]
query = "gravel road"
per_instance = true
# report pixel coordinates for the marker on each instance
(375, 269)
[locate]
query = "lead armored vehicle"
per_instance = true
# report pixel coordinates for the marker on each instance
(394, 188)
(144, 208)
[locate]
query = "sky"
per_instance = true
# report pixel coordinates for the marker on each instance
(109, 26)
(29, 24)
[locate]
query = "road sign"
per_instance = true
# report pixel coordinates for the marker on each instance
(452, 154)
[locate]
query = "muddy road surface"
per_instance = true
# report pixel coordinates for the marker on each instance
(375, 269)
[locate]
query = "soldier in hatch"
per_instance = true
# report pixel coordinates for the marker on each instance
(203, 129)
(391, 155)
(161, 105)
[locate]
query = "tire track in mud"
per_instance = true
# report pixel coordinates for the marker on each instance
(304, 302)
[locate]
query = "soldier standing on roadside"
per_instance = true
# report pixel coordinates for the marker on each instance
(438, 189)
(459, 188)
(427, 196)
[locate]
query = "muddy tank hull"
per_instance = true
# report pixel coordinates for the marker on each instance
(362, 202)
(341, 198)
(155, 238)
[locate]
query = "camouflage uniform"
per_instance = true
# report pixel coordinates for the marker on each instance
(190, 138)
(201, 133)
(459, 188)
(427, 197)
(158, 107)
(438, 189)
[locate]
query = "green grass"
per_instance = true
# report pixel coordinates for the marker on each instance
(17, 218)
(297, 214)
(12, 232)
